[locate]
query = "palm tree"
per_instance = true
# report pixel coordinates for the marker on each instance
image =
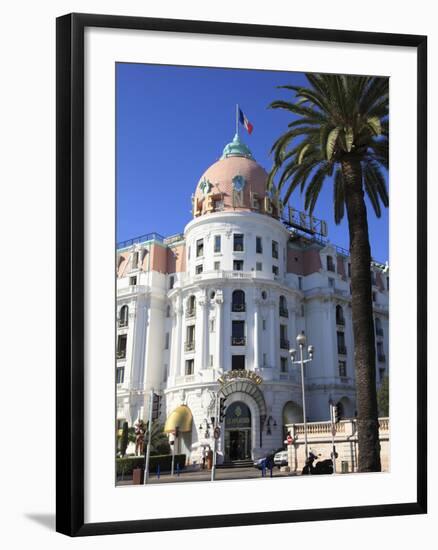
(341, 135)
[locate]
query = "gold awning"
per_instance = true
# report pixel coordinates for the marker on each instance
(180, 418)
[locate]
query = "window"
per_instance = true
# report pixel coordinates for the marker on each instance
(387, 283)
(238, 301)
(302, 310)
(188, 253)
(331, 282)
(212, 325)
(166, 341)
(264, 294)
(217, 266)
(380, 352)
(199, 248)
(190, 338)
(217, 243)
(340, 316)
(134, 260)
(133, 280)
(238, 333)
(259, 266)
(123, 317)
(191, 307)
(212, 294)
(120, 375)
(275, 270)
(264, 359)
(121, 346)
(349, 269)
(238, 265)
(264, 324)
(171, 281)
(199, 269)
(237, 362)
(168, 311)
(341, 342)
(373, 278)
(274, 249)
(374, 296)
(190, 367)
(342, 369)
(284, 342)
(381, 374)
(283, 311)
(378, 325)
(211, 361)
(238, 242)
(259, 245)
(330, 264)
(283, 364)
(300, 283)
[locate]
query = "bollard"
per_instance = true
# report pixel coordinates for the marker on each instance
(271, 467)
(158, 471)
(177, 470)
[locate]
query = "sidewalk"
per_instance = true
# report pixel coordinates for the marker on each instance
(205, 475)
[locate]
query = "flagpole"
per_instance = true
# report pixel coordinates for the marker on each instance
(237, 119)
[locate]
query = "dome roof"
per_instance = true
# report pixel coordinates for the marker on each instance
(235, 182)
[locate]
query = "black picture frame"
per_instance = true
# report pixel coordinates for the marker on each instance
(70, 273)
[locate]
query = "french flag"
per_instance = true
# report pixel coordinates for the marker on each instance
(245, 122)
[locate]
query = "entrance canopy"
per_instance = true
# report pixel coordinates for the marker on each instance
(180, 418)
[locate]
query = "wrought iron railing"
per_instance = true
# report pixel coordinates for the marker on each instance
(238, 340)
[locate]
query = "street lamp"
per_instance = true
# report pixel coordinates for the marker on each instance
(301, 341)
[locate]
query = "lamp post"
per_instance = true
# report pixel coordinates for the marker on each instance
(301, 341)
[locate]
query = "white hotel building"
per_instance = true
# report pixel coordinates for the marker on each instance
(230, 294)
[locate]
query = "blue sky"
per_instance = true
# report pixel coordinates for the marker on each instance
(173, 123)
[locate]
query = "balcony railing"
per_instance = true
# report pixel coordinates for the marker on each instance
(238, 340)
(191, 312)
(379, 331)
(342, 350)
(284, 312)
(381, 357)
(189, 346)
(284, 343)
(340, 321)
(238, 307)
(120, 354)
(123, 323)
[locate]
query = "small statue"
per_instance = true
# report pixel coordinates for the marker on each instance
(139, 430)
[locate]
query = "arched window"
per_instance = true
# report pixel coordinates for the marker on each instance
(238, 301)
(191, 306)
(123, 317)
(340, 316)
(283, 307)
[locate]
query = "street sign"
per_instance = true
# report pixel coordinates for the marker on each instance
(217, 432)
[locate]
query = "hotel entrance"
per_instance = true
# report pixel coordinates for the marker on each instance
(237, 432)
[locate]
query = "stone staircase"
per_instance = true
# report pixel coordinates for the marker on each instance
(247, 463)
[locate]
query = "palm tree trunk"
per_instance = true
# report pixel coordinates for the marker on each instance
(363, 323)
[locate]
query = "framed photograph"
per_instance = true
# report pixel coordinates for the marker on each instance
(232, 202)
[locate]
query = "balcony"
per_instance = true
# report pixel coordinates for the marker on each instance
(381, 357)
(189, 346)
(284, 343)
(379, 331)
(342, 350)
(121, 354)
(122, 324)
(190, 313)
(238, 341)
(284, 312)
(238, 307)
(340, 321)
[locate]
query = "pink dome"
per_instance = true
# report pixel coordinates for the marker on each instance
(218, 181)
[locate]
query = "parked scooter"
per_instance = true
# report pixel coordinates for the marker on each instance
(321, 468)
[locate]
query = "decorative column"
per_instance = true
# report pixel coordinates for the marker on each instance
(219, 331)
(178, 345)
(273, 336)
(256, 334)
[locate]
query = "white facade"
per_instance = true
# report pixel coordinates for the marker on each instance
(184, 328)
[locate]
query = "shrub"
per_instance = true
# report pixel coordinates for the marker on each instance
(124, 439)
(129, 463)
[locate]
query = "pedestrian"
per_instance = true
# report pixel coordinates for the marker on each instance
(203, 457)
